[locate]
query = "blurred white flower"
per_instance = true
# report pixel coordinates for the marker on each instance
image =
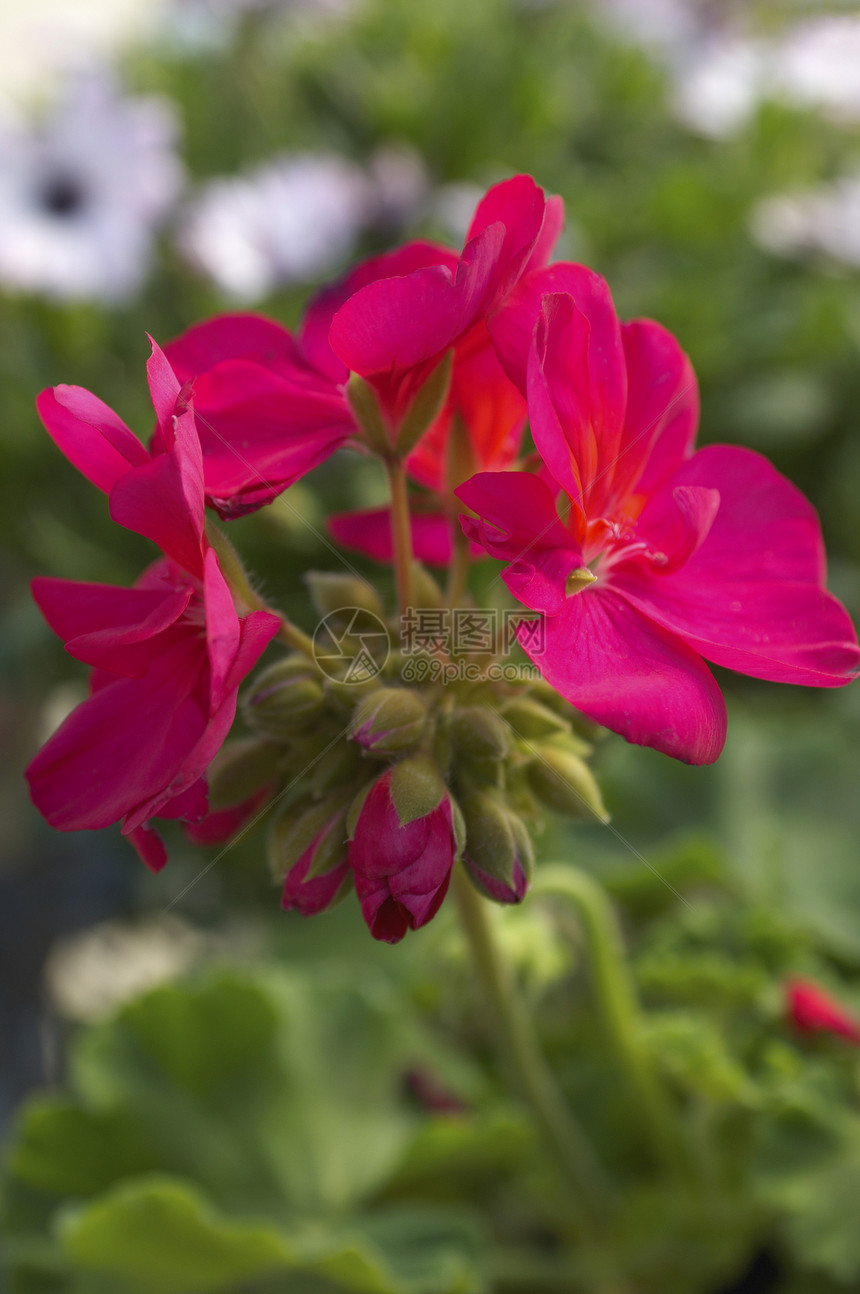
(720, 84)
(824, 220)
(291, 220)
(818, 64)
(81, 193)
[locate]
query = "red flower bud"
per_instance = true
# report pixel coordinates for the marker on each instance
(402, 868)
(813, 1010)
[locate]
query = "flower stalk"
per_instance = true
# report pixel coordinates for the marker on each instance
(587, 1180)
(619, 1009)
(401, 531)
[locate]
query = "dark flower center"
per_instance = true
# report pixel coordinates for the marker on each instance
(61, 195)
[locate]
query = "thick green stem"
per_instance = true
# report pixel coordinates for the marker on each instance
(401, 531)
(519, 1049)
(619, 1007)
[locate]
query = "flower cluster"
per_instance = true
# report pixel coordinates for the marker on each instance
(639, 558)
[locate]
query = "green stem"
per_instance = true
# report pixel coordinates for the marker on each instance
(295, 638)
(619, 1007)
(459, 573)
(519, 1048)
(401, 531)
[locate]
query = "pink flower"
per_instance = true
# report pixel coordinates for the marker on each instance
(395, 330)
(813, 1010)
(661, 557)
(168, 655)
(270, 406)
(401, 870)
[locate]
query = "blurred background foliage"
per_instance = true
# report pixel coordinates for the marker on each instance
(728, 879)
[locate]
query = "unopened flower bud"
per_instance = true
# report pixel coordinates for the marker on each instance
(565, 783)
(285, 698)
(311, 853)
(533, 721)
(480, 733)
(426, 593)
(498, 854)
(332, 592)
(240, 770)
(389, 720)
(402, 847)
(813, 1010)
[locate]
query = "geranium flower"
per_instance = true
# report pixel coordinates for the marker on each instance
(81, 194)
(271, 406)
(660, 558)
(168, 655)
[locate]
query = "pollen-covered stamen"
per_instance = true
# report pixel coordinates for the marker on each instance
(578, 580)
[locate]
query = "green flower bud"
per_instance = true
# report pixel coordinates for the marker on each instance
(498, 854)
(389, 720)
(335, 768)
(293, 832)
(240, 769)
(285, 698)
(425, 591)
(533, 721)
(565, 783)
(480, 733)
(331, 592)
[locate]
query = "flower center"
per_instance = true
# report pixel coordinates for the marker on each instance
(61, 195)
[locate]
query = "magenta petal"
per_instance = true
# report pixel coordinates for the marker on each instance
(260, 432)
(518, 510)
(163, 500)
(222, 628)
(512, 326)
(765, 528)
(540, 581)
(662, 409)
(782, 631)
(150, 847)
(314, 334)
(163, 389)
(113, 628)
(222, 824)
(553, 223)
(232, 336)
(624, 671)
(93, 438)
(519, 206)
(368, 531)
(121, 747)
(256, 631)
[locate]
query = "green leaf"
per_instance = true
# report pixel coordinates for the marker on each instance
(160, 1235)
